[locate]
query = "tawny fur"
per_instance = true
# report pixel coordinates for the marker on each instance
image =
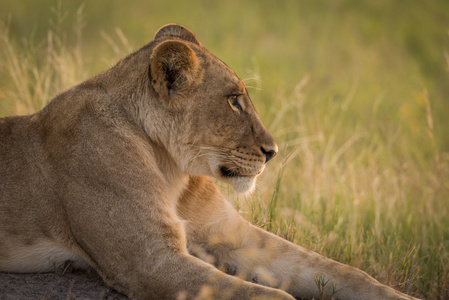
(115, 174)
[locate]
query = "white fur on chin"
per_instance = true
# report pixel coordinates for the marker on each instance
(244, 186)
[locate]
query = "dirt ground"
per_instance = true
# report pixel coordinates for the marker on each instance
(73, 285)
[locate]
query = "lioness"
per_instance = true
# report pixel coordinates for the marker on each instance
(115, 173)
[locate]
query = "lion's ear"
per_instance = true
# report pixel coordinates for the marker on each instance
(175, 69)
(175, 30)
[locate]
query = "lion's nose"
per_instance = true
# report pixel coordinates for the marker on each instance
(269, 152)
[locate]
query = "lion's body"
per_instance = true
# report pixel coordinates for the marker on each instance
(114, 174)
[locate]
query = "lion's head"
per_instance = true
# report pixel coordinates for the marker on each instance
(211, 125)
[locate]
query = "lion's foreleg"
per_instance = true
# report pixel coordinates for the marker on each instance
(140, 249)
(272, 261)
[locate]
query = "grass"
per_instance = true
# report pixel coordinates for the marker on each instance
(354, 93)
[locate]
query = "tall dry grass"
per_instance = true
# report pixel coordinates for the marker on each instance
(37, 73)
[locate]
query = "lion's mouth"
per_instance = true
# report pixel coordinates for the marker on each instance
(228, 173)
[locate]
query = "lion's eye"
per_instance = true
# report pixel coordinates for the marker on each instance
(233, 101)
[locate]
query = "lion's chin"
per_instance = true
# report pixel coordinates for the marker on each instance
(245, 187)
(242, 184)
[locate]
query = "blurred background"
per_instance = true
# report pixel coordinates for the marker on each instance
(355, 92)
